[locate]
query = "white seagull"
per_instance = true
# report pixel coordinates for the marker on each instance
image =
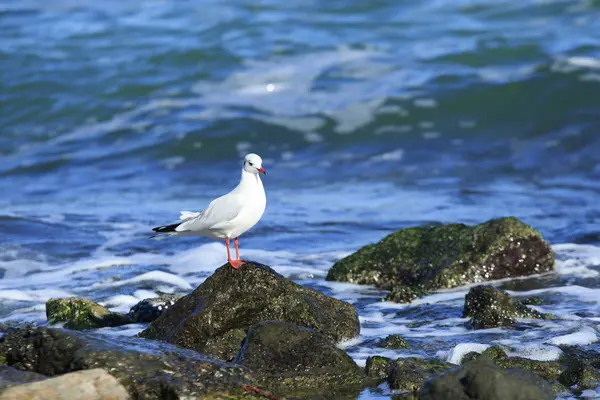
(228, 216)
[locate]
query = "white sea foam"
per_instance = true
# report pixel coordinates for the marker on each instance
(456, 355)
(582, 337)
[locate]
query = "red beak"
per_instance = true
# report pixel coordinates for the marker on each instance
(262, 170)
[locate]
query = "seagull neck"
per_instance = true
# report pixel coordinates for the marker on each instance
(250, 180)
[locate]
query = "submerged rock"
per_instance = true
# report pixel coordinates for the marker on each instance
(148, 310)
(231, 301)
(286, 357)
(490, 307)
(94, 384)
(413, 261)
(481, 379)
(393, 342)
(409, 374)
(148, 370)
(378, 367)
(79, 313)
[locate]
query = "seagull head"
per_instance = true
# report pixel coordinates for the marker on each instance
(253, 164)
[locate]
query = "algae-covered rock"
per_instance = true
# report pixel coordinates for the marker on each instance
(409, 374)
(393, 342)
(378, 367)
(580, 372)
(79, 313)
(233, 300)
(490, 307)
(434, 257)
(148, 310)
(287, 357)
(147, 369)
(481, 379)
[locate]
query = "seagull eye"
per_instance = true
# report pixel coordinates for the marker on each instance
(249, 163)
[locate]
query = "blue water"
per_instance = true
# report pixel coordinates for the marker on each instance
(370, 117)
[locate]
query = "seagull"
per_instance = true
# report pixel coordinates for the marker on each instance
(228, 216)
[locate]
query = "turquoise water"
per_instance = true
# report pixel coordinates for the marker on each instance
(371, 116)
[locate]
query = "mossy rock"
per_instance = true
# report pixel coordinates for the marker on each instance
(234, 300)
(378, 367)
(79, 314)
(409, 374)
(489, 307)
(148, 370)
(393, 342)
(427, 258)
(287, 358)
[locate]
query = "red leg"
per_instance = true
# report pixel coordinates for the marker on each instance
(237, 250)
(234, 263)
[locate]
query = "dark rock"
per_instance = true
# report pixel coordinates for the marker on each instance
(148, 310)
(434, 257)
(378, 367)
(393, 342)
(481, 379)
(10, 376)
(148, 370)
(489, 307)
(286, 357)
(233, 300)
(80, 314)
(409, 374)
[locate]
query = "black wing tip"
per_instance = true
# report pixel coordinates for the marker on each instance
(166, 228)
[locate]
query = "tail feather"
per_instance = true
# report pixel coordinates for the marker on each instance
(167, 229)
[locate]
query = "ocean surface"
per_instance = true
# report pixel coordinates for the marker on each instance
(370, 116)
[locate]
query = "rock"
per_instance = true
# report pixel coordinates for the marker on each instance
(427, 258)
(234, 300)
(532, 301)
(409, 374)
(79, 313)
(394, 342)
(148, 310)
(489, 307)
(378, 367)
(579, 372)
(94, 384)
(148, 370)
(481, 379)
(10, 376)
(286, 356)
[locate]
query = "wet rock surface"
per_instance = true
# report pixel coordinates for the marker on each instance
(80, 314)
(489, 307)
(409, 374)
(413, 261)
(481, 379)
(283, 355)
(148, 370)
(378, 367)
(148, 310)
(94, 384)
(231, 301)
